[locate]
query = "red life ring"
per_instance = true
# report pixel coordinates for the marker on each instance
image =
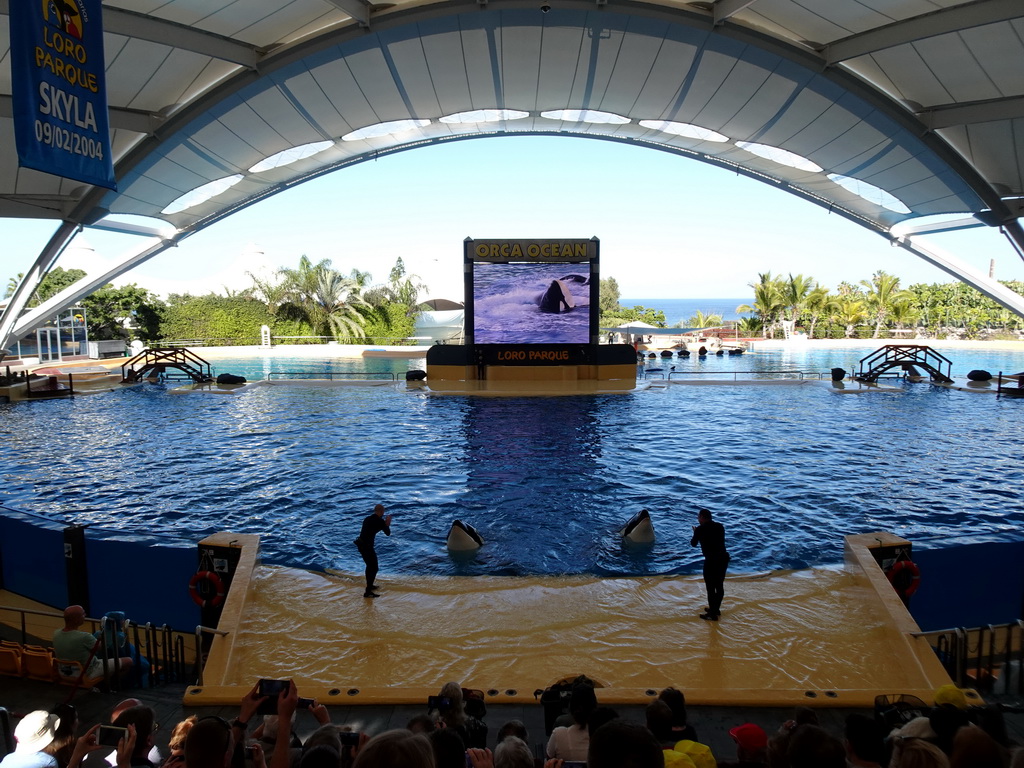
(210, 582)
(905, 577)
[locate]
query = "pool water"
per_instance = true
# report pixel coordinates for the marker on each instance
(548, 482)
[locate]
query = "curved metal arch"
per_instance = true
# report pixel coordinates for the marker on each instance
(90, 207)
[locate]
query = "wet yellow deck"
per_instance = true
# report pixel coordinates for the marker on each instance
(824, 636)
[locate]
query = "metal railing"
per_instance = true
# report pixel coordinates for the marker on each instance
(989, 658)
(171, 655)
(754, 375)
(329, 374)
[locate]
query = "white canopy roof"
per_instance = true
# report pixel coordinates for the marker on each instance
(882, 111)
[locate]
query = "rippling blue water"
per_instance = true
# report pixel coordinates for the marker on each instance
(548, 481)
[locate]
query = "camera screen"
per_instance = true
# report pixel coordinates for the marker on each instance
(110, 735)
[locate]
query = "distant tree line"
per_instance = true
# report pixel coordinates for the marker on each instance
(310, 303)
(876, 307)
(315, 302)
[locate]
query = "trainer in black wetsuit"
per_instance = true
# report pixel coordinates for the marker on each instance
(371, 525)
(711, 537)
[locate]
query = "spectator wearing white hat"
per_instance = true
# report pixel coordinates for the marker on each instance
(36, 732)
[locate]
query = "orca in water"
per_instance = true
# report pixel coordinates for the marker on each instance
(639, 529)
(463, 537)
(555, 297)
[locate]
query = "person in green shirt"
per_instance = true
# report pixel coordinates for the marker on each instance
(72, 644)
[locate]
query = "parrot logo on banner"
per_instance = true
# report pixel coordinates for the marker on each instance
(63, 15)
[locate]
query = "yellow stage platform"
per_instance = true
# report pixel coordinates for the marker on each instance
(826, 636)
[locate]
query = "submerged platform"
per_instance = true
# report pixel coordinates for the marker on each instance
(834, 636)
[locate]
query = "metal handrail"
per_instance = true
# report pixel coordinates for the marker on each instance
(163, 647)
(330, 374)
(735, 374)
(976, 657)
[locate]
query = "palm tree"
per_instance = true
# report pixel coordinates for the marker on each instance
(883, 292)
(904, 313)
(328, 300)
(850, 311)
(749, 326)
(794, 292)
(699, 320)
(768, 302)
(335, 306)
(819, 302)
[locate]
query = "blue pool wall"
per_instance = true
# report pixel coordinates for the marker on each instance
(966, 585)
(146, 580)
(969, 585)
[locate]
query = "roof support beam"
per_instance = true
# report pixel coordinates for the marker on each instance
(948, 263)
(357, 9)
(949, 115)
(725, 9)
(121, 22)
(952, 19)
(73, 293)
(58, 242)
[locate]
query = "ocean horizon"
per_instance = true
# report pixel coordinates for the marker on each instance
(680, 310)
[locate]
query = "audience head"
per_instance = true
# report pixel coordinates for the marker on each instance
(677, 703)
(74, 616)
(618, 744)
(513, 728)
(659, 720)
(177, 741)
(394, 748)
(123, 705)
(582, 702)
(320, 756)
(864, 738)
(512, 752)
(751, 742)
(973, 748)
(946, 720)
(421, 724)
(144, 719)
(449, 748)
(910, 752)
(63, 743)
(35, 732)
(599, 717)
(452, 713)
(209, 744)
(324, 736)
(813, 747)
(950, 695)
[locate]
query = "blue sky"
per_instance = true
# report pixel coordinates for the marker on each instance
(669, 227)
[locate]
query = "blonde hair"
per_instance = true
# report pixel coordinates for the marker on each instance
(911, 752)
(180, 733)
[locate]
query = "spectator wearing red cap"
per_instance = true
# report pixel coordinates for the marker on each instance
(751, 747)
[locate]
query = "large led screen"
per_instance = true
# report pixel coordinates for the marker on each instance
(531, 302)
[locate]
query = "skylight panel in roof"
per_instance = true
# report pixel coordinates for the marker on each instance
(390, 128)
(485, 116)
(202, 194)
(686, 130)
(290, 155)
(585, 116)
(870, 192)
(780, 156)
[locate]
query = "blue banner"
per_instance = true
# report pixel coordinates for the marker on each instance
(59, 89)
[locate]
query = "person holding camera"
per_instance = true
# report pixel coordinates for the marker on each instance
(373, 523)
